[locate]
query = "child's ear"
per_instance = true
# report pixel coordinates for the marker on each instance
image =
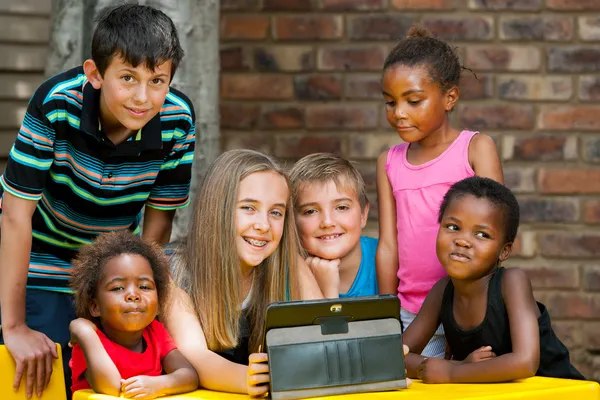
(364, 216)
(505, 253)
(92, 73)
(94, 309)
(452, 96)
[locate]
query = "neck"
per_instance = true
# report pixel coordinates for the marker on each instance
(444, 134)
(468, 289)
(351, 261)
(130, 340)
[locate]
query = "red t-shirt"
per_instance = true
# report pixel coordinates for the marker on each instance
(129, 363)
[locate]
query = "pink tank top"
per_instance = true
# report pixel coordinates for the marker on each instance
(419, 190)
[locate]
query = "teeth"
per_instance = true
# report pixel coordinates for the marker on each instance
(254, 242)
(329, 237)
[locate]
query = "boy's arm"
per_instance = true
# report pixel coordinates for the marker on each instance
(101, 373)
(484, 158)
(523, 361)
(308, 286)
(421, 330)
(387, 249)
(32, 350)
(157, 225)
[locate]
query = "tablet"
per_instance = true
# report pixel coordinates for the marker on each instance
(314, 312)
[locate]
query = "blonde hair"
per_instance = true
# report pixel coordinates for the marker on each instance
(326, 167)
(207, 265)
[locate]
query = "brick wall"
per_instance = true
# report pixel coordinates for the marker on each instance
(300, 76)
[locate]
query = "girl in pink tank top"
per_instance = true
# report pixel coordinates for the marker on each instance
(421, 87)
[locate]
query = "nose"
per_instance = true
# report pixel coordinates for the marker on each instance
(399, 112)
(261, 223)
(140, 95)
(460, 242)
(327, 220)
(132, 295)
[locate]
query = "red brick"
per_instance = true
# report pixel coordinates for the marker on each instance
(520, 5)
(351, 58)
(569, 181)
(244, 27)
(460, 28)
(591, 278)
(569, 332)
(575, 117)
(571, 305)
(238, 5)
(352, 5)
(525, 245)
(540, 148)
(535, 87)
(238, 116)
(363, 87)
(589, 28)
(368, 171)
(496, 116)
(476, 87)
(371, 145)
(591, 146)
(256, 87)
(592, 211)
(284, 58)
(547, 28)
(282, 117)
(503, 58)
(314, 27)
(318, 87)
(297, 146)
(548, 210)
(234, 59)
(288, 5)
(425, 4)
(591, 338)
(553, 277)
(379, 27)
(574, 59)
(575, 5)
(569, 245)
(520, 179)
(589, 88)
(256, 141)
(341, 116)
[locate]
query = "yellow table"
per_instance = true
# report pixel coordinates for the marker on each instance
(535, 388)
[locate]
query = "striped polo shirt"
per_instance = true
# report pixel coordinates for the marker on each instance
(84, 184)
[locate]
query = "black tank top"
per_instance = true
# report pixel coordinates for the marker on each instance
(495, 331)
(240, 353)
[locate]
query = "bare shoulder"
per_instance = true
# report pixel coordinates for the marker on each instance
(516, 287)
(382, 159)
(482, 142)
(437, 291)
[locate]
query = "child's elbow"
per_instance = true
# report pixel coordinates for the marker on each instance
(528, 366)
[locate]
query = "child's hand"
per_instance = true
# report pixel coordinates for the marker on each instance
(435, 370)
(258, 377)
(480, 354)
(327, 274)
(80, 327)
(141, 387)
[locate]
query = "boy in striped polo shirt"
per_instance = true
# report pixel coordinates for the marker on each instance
(98, 142)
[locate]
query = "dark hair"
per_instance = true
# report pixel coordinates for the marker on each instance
(420, 48)
(91, 259)
(138, 34)
(489, 189)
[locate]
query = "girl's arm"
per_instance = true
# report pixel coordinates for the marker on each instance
(214, 371)
(484, 158)
(387, 249)
(523, 361)
(422, 329)
(101, 373)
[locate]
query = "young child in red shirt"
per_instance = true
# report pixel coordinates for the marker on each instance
(119, 347)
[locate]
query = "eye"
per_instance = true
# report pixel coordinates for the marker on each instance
(277, 213)
(117, 289)
(390, 103)
(146, 287)
(157, 81)
(343, 207)
(414, 102)
(452, 227)
(127, 78)
(247, 208)
(483, 235)
(310, 211)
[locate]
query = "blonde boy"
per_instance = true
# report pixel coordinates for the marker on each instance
(331, 210)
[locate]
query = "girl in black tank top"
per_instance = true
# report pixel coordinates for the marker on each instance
(495, 329)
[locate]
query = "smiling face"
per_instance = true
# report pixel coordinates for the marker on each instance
(130, 96)
(415, 105)
(259, 217)
(126, 296)
(471, 238)
(330, 219)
